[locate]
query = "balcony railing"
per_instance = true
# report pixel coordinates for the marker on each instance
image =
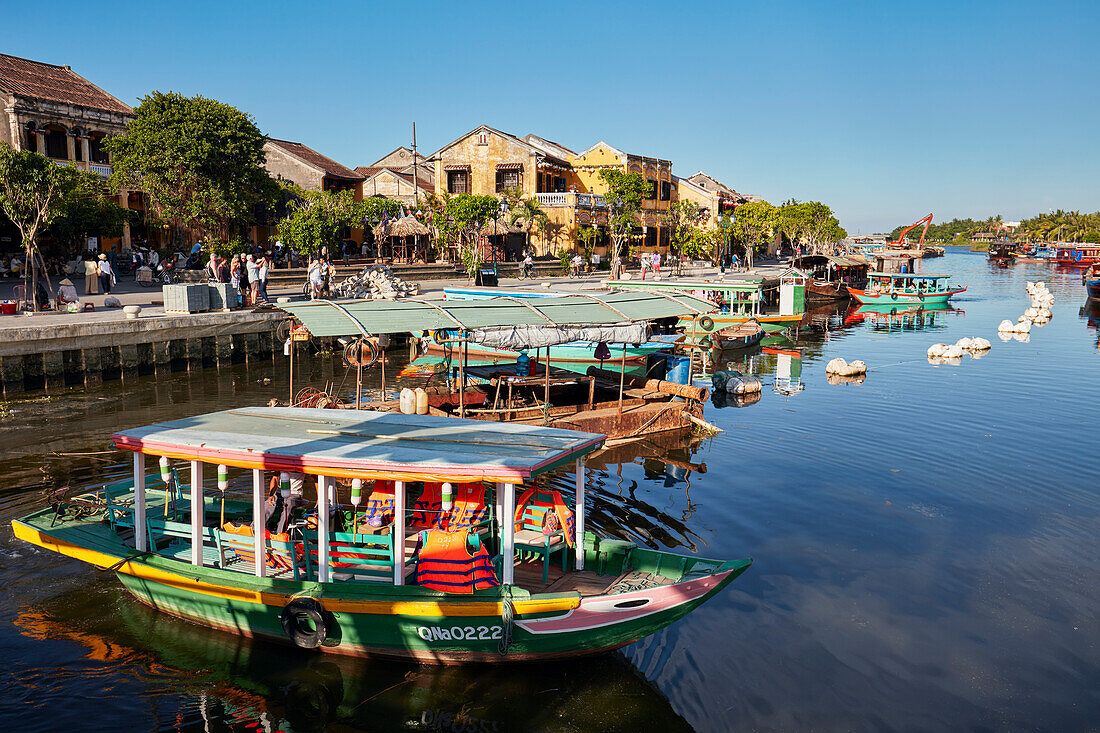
(101, 170)
(571, 200)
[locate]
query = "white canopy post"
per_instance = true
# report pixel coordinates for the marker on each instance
(198, 513)
(578, 543)
(141, 539)
(498, 508)
(398, 533)
(322, 528)
(508, 544)
(259, 522)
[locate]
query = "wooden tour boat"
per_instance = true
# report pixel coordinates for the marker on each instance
(829, 276)
(544, 394)
(189, 551)
(895, 288)
(1091, 279)
(732, 302)
(1004, 251)
(739, 336)
(1077, 256)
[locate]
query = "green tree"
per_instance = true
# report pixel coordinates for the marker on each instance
(794, 221)
(34, 192)
(90, 212)
(754, 226)
(822, 227)
(317, 219)
(199, 160)
(624, 196)
(530, 212)
(465, 214)
(683, 219)
(586, 237)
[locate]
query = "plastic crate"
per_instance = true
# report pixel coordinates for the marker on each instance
(223, 296)
(186, 298)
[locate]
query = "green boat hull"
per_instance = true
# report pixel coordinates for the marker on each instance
(504, 624)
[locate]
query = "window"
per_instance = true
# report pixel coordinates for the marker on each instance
(559, 184)
(666, 190)
(56, 145)
(482, 138)
(652, 189)
(509, 179)
(99, 155)
(458, 181)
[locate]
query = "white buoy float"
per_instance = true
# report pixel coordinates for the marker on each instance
(842, 368)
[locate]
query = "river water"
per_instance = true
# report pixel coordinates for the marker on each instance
(925, 546)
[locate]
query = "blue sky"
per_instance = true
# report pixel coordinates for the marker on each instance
(884, 110)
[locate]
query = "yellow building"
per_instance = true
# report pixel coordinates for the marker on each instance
(487, 161)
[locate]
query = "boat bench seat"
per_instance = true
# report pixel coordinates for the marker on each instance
(368, 557)
(529, 538)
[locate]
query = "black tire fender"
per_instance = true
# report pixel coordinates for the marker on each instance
(301, 610)
(706, 323)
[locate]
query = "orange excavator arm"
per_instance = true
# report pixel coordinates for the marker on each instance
(927, 221)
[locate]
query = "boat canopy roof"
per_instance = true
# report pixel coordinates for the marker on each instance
(836, 260)
(909, 275)
(366, 317)
(681, 285)
(363, 444)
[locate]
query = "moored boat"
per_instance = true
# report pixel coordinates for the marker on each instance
(829, 276)
(738, 336)
(1091, 279)
(1002, 251)
(896, 288)
(332, 582)
(1077, 256)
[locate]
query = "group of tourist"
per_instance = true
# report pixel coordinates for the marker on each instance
(246, 273)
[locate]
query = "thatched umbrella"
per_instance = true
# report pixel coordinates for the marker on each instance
(499, 227)
(406, 226)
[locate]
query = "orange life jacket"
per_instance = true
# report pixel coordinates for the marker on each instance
(427, 511)
(445, 563)
(565, 516)
(469, 507)
(380, 504)
(247, 550)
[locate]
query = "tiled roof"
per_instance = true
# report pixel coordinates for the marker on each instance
(369, 171)
(311, 156)
(37, 80)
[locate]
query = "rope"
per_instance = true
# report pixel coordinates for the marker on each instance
(123, 561)
(507, 614)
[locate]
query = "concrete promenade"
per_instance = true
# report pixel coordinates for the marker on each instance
(51, 348)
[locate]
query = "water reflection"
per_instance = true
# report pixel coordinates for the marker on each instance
(202, 679)
(902, 317)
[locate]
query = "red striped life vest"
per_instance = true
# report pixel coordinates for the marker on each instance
(427, 511)
(445, 563)
(565, 516)
(469, 507)
(380, 504)
(276, 560)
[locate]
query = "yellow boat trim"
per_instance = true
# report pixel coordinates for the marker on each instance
(442, 609)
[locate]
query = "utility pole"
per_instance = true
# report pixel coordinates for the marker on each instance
(416, 169)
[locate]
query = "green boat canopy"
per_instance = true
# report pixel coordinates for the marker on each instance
(907, 276)
(367, 317)
(363, 444)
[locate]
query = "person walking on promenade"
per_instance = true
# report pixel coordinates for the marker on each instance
(103, 269)
(656, 264)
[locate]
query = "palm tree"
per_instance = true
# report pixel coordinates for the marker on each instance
(530, 212)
